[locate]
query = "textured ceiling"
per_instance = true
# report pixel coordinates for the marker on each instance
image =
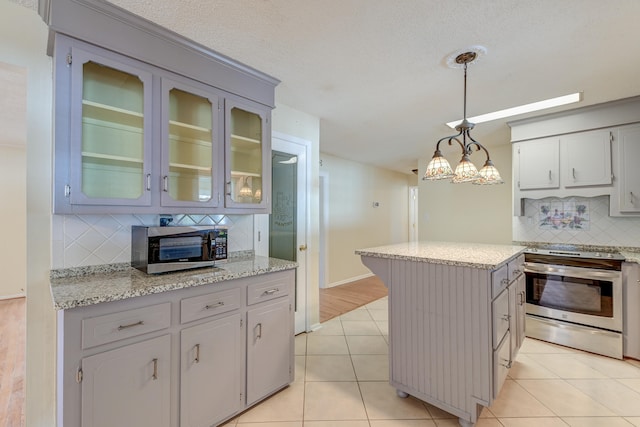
(374, 71)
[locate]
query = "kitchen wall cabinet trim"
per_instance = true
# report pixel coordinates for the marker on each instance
(114, 28)
(186, 392)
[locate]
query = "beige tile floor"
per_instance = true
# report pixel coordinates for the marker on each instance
(342, 381)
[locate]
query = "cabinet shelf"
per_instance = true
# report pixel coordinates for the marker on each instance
(192, 133)
(180, 139)
(191, 167)
(110, 114)
(111, 157)
(237, 174)
(244, 140)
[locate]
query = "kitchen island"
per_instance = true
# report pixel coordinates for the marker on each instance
(189, 348)
(456, 320)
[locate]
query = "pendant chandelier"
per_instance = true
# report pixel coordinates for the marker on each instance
(439, 168)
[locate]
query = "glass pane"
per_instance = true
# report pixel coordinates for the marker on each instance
(190, 148)
(246, 156)
(282, 233)
(112, 133)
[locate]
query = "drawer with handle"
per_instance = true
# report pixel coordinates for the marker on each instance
(212, 304)
(274, 287)
(124, 324)
(516, 267)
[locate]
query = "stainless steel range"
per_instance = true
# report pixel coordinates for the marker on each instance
(575, 299)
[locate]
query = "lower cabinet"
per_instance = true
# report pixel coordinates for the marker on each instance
(269, 332)
(128, 386)
(210, 354)
(192, 357)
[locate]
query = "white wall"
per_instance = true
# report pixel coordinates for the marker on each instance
(467, 212)
(13, 166)
(23, 41)
(353, 222)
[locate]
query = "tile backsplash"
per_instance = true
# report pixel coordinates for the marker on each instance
(602, 229)
(82, 240)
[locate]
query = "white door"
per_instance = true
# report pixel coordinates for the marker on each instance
(413, 214)
(289, 219)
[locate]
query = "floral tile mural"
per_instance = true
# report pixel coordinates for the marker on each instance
(563, 215)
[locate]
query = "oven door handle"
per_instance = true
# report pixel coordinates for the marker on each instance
(561, 270)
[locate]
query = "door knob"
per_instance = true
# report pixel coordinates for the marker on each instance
(303, 247)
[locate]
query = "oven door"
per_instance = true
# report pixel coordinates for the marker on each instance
(584, 296)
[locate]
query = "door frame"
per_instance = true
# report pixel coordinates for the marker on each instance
(302, 148)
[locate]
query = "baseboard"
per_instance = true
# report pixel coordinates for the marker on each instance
(14, 296)
(352, 279)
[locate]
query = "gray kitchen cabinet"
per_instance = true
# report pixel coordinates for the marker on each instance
(538, 163)
(451, 329)
(631, 314)
(577, 164)
(103, 131)
(627, 198)
(130, 385)
(586, 158)
(269, 332)
(247, 139)
(135, 138)
(189, 357)
(211, 353)
(191, 155)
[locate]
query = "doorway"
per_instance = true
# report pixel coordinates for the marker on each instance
(289, 219)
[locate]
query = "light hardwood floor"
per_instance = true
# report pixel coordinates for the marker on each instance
(344, 298)
(12, 361)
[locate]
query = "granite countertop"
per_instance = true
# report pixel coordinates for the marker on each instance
(475, 255)
(93, 285)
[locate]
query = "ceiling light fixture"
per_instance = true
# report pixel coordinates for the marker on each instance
(439, 168)
(522, 109)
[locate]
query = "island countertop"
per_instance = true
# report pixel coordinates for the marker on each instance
(477, 255)
(87, 286)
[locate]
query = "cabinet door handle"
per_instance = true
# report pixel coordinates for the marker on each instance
(506, 317)
(165, 183)
(148, 182)
(507, 364)
(549, 174)
(631, 197)
(573, 172)
(259, 326)
(216, 305)
(270, 291)
(155, 369)
(130, 325)
(228, 188)
(521, 294)
(197, 359)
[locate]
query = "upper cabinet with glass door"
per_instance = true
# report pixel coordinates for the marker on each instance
(110, 136)
(248, 174)
(190, 151)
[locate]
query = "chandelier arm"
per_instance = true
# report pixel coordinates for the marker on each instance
(449, 138)
(478, 146)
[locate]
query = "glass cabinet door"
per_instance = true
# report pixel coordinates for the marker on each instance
(246, 132)
(190, 149)
(110, 132)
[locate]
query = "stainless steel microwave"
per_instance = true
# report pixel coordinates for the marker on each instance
(164, 249)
